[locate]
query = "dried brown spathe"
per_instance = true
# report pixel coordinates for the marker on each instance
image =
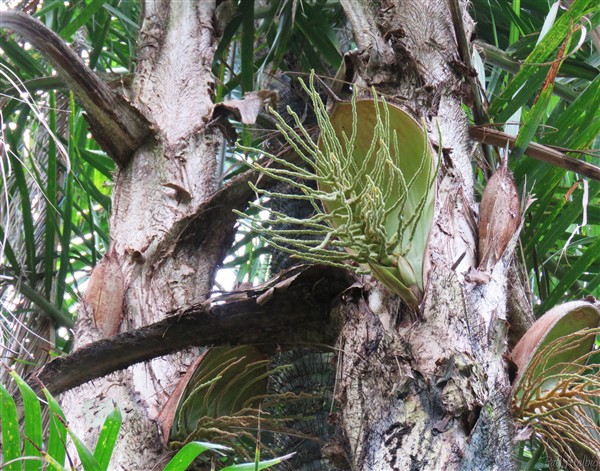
(499, 217)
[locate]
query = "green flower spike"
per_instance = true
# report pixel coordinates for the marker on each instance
(375, 173)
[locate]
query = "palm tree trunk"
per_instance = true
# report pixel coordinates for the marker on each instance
(427, 392)
(166, 180)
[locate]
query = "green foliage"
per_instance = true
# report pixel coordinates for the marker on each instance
(560, 242)
(32, 448)
(302, 32)
(560, 235)
(11, 437)
(28, 445)
(374, 196)
(56, 182)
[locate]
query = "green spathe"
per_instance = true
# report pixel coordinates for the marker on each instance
(393, 172)
(534, 357)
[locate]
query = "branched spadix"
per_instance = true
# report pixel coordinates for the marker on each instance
(373, 201)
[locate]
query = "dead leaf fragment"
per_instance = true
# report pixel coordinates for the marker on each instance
(167, 415)
(104, 295)
(246, 110)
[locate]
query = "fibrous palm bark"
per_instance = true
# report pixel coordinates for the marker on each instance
(162, 186)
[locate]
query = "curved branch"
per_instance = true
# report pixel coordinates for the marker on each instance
(536, 151)
(294, 309)
(117, 126)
